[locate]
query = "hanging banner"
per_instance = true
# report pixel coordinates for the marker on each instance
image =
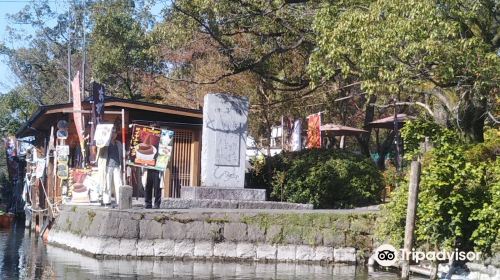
(98, 93)
(77, 108)
(313, 131)
(297, 135)
(102, 135)
(144, 144)
(165, 149)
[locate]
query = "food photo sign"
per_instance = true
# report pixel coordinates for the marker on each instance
(150, 147)
(165, 149)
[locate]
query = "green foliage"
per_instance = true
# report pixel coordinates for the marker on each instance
(458, 200)
(40, 61)
(119, 49)
(325, 178)
(486, 236)
(14, 110)
(393, 219)
(415, 132)
(438, 52)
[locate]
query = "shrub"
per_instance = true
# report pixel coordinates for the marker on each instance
(458, 204)
(324, 178)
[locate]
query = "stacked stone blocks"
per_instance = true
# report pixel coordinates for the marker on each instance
(285, 236)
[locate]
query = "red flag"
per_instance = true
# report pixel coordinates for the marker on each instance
(77, 107)
(314, 131)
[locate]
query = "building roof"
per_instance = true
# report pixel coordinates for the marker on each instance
(341, 130)
(388, 122)
(109, 101)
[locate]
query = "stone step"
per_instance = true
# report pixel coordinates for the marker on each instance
(180, 203)
(223, 193)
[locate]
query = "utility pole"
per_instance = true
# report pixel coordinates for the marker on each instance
(411, 212)
(69, 52)
(83, 50)
(396, 136)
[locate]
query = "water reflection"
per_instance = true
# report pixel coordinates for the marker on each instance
(25, 257)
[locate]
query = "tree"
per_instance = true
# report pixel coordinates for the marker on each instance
(41, 66)
(15, 109)
(119, 49)
(258, 49)
(440, 55)
(458, 192)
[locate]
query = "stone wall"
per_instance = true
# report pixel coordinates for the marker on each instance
(262, 235)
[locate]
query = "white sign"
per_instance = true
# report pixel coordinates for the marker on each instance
(102, 135)
(62, 150)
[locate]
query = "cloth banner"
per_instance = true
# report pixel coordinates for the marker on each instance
(98, 93)
(314, 131)
(292, 134)
(297, 135)
(77, 108)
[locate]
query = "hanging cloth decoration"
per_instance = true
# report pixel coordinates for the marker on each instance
(77, 110)
(297, 135)
(314, 131)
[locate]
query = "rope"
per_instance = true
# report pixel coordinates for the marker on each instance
(51, 205)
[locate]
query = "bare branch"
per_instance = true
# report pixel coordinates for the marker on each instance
(405, 103)
(493, 118)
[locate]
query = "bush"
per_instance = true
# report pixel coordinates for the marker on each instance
(458, 203)
(324, 178)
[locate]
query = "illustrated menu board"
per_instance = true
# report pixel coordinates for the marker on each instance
(165, 149)
(144, 145)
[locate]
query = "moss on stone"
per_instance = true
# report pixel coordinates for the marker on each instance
(223, 220)
(68, 223)
(161, 218)
(91, 214)
(309, 227)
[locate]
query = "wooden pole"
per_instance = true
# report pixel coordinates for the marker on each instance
(410, 216)
(124, 137)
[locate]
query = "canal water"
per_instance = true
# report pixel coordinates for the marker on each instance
(23, 256)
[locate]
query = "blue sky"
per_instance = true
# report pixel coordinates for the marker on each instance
(7, 78)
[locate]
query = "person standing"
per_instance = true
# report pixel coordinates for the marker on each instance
(111, 158)
(153, 180)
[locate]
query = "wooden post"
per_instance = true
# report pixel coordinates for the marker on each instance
(410, 216)
(124, 153)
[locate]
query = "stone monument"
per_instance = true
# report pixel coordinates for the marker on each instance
(224, 151)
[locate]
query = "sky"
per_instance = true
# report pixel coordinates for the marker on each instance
(7, 79)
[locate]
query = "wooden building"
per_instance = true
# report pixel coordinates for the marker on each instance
(186, 123)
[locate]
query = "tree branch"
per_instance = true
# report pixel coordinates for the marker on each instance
(406, 103)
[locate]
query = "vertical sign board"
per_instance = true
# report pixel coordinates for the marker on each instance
(165, 148)
(151, 147)
(144, 144)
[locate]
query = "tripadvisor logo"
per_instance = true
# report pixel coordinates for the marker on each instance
(387, 255)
